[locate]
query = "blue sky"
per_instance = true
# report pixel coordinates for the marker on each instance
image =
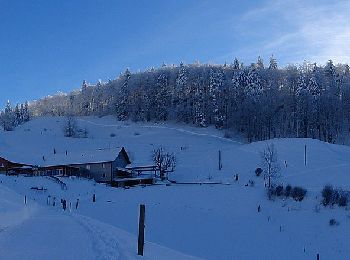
(48, 46)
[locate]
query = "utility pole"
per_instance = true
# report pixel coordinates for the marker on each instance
(141, 238)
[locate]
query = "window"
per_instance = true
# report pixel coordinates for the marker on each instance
(88, 167)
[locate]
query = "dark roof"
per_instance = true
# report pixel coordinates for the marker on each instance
(125, 154)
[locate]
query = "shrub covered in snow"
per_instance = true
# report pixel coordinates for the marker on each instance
(297, 193)
(287, 190)
(333, 196)
(327, 194)
(333, 222)
(279, 190)
(258, 171)
(343, 201)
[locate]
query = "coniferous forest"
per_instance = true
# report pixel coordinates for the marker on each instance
(259, 101)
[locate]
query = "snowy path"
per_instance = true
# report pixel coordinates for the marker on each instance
(110, 242)
(104, 243)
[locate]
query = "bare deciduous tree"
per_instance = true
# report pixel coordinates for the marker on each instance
(271, 167)
(70, 127)
(165, 161)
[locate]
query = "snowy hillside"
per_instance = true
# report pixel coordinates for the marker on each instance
(206, 221)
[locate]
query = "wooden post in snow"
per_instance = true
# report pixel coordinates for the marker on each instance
(112, 174)
(220, 164)
(318, 256)
(305, 155)
(141, 238)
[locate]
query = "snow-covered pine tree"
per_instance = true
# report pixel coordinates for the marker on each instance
(215, 85)
(329, 71)
(346, 69)
(26, 113)
(253, 91)
(260, 63)
(122, 100)
(182, 92)
(239, 83)
(236, 64)
(303, 107)
(138, 101)
(313, 88)
(315, 92)
(253, 86)
(273, 63)
(8, 117)
(22, 112)
(85, 99)
(162, 98)
(98, 102)
(199, 103)
(333, 80)
(17, 116)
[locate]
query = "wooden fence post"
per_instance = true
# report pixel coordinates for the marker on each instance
(318, 256)
(141, 238)
(220, 164)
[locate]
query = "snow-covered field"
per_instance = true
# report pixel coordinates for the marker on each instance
(206, 221)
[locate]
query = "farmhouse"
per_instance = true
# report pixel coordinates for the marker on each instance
(103, 165)
(6, 164)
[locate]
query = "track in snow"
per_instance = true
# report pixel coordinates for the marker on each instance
(104, 243)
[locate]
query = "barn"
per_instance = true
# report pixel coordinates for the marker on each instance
(104, 170)
(6, 166)
(103, 165)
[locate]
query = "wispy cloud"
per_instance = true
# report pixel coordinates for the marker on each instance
(296, 30)
(327, 30)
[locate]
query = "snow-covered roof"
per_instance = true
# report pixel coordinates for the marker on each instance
(24, 167)
(61, 158)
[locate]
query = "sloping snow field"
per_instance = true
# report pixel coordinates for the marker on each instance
(208, 221)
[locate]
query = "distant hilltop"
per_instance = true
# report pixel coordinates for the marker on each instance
(257, 101)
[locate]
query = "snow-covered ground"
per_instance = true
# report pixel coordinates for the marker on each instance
(36, 230)
(206, 221)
